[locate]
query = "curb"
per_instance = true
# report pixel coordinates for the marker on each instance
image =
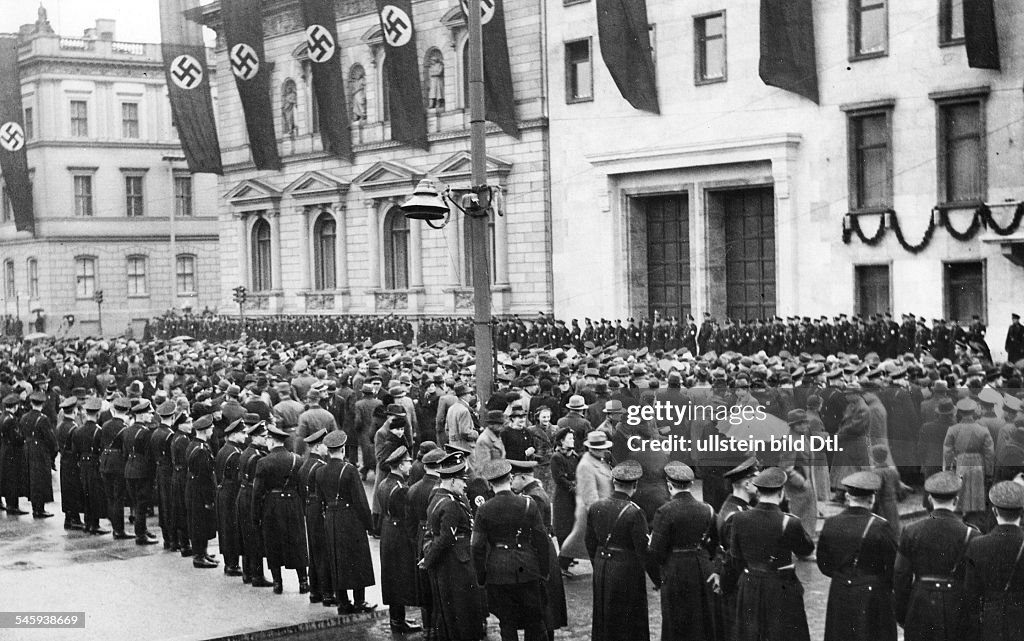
(305, 626)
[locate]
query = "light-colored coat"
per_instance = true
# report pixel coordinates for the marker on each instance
(487, 447)
(593, 482)
(459, 426)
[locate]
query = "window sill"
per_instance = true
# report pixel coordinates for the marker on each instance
(859, 57)
(136, 296)
(962, 204)
(959, 42)
(709, 81)
(576, 101)
(868, 211)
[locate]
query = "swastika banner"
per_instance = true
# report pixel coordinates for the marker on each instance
(328, 80)
(622, 30)
(188, 86)
(243, 28)
(499, 98)
(13, 155)
(406, 108)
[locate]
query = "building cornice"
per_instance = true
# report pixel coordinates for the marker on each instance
(715, 152)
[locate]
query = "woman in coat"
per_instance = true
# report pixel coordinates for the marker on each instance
(563, 476)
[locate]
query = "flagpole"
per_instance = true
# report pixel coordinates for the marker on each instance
(171, 231)
(479, 226)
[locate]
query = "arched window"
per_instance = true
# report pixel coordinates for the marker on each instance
(470, 248)
(261, 268)
(325, 232)
(396, 250)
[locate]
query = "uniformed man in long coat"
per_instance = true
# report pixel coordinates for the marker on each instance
(397, 541)
(320, 587)
(459, 610)
(41, 450)
(71, 495)
(160, 455)
(418, 499)
(179, 476)
(112, 464)
(616, 541)
(994, 583)
(526, 484)
(763, 540)
(226, 472)
(252, 538)
(201, 493)
(347, 521)
(13, 464)
(86, 446)
(510, 555)
(278, 509)
(743, 495)
(929, 572)
(684, 538)
(139, 468)
(857, 550)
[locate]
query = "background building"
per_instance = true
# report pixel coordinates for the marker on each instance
(733, 200)
(116, 209)
(326, 236)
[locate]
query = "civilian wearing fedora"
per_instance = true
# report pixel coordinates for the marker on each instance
(489, 446)
(763, 540)
(994, 581)
(593, 482)
(933, 434)
(574, 420)
(311, 421)
(363, 426)
(460, 425)
(929, 571)
(854, 440)
(278, 509)
(857, 550)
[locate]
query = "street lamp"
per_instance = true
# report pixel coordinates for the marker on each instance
(426, 204)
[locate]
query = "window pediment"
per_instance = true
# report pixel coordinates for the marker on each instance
(253, 194)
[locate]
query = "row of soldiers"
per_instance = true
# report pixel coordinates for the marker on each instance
(879, 333)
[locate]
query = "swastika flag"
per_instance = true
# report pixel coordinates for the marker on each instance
(406, 107)
(328, 79)
(13, 155)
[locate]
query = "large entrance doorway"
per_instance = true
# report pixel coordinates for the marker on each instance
(668, 255)
(744, 222)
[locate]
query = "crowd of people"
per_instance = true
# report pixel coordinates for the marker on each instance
(264, 443)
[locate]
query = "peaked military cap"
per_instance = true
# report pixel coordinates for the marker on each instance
(772, 478)
(204, 422)
(627, 471)
(522, 467)
(496, 469)
(68, 403)
(432, 458)
(92, 404)
(38, 397)
(335, 439)
(232, 426)
(678, 472)
(744, 470)
(966, 405)
(142, 407)
(862, 483)
(316, 437)
(453, 466)
(1007, 495)
(11, 400)
(167, 408)
(943, 484)
(277, 432)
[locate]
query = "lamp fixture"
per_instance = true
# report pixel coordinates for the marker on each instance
(428, 205)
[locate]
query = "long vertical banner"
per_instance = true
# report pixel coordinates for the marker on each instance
(402, 73)
(623, 32)
(980, 34)
(243, 27)
(328, 79)
(499, 97)
(787, 47)
(13, 155)
(188, 86)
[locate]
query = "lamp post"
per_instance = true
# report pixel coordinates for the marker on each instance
(173, 246)
(425, 204)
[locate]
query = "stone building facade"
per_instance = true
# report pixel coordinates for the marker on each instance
(732, 201)
(116, 209)
(326, 236)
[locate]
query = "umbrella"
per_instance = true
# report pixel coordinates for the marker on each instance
(182, 339)
(35, 336)
(387, 344)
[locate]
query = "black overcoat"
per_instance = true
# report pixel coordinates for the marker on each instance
(276, 502)
(459, 610)
(418, 499)
(72, 499)
(563, 504)
(397, 543)
(252, 538)
(994, 585)
(40, 450)
(86, 445)
(200, 492)
(346, 522)
(225, 469)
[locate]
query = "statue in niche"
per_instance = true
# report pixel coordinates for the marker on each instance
(357, 89)
(289, 101)
(435, 71)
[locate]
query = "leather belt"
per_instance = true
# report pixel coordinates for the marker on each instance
(935, 582)
(287, 494)
(692, 550)
(509, 546)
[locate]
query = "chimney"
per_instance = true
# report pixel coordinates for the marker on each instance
(105, 29)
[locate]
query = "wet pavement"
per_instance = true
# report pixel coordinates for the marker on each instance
(128, 591)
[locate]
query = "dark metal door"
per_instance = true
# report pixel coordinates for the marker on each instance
(668, 255)
(749, 253)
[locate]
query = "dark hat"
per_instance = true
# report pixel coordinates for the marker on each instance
(1007, 495)
(277, 432)
(167, 408)
(517, 410)
(68, 403)
(316, 437)
(772, 478)
(453, 466)
(259, 428)
(204, 422)
(495, 470)
(597, 440)
(401, 452)
(522, 467)
(251, 418)
(495, 417)
(394, 409)
(796, 416)
(397, 423)
(678, 472)
(92, 404)
(943, 484)
(335, 439)
(945, 407)
(142, 407)
(232, 426)
(627, 471)
(432, 458)
(744, 470)
(460, 389)
(426, 446)
(13, 399)
(862, 483)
